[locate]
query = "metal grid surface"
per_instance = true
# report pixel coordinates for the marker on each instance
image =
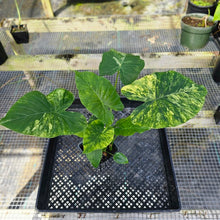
(142, 41)
(127, 41)
(196, 158)
(19, 183)
(195, 152)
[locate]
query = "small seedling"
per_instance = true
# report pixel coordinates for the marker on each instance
(19, 14)
(19, 32)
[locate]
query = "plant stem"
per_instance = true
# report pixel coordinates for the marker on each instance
(114, 139)
(110, 146)
(19, 15)
(204, 19)
(116, 79)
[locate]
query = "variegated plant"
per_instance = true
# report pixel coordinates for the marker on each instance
(169, 99)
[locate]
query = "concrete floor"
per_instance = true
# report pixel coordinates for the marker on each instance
(28, 8)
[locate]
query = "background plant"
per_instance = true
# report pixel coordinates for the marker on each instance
(19, 14)
(168, 99)
(217, 13)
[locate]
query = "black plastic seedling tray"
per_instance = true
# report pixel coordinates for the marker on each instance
(146, 183)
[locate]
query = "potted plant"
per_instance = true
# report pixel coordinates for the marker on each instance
(3, 55)
(166, 99)
(20, 31)
(202, 6)
(195, 30)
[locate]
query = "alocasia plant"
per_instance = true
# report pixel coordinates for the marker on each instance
(168, 99)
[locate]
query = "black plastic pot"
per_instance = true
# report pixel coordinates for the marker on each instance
(3, 55)
(106, 156)
(217, 116)
(21, 34)
(216, 71)
(216, 30)
(192, 8)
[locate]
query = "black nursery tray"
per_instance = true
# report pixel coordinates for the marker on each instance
(146, 183)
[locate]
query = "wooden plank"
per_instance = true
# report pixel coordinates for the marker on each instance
(110, 23)
(91, 61)
(19, 50)
(47, 8)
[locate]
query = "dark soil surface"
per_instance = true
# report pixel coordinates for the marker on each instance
(106, 154)
(15, 28)
(196, 22)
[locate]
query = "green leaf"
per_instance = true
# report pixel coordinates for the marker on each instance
(44, 116)
(120, 158)
(92, 118)
(61, 99)
(125, 127)
(217, 13)
(98, 95)
(169, 99)
(95, 157)
(128, 65)
(81, 134)
(97, 136)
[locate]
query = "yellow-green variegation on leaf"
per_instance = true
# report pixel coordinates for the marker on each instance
(97, 136)
(44, 116)
(169, 99)
(125, 127)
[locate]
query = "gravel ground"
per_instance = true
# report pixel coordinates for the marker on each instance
(70, 8)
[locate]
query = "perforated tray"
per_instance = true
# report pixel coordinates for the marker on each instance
(146, 183)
